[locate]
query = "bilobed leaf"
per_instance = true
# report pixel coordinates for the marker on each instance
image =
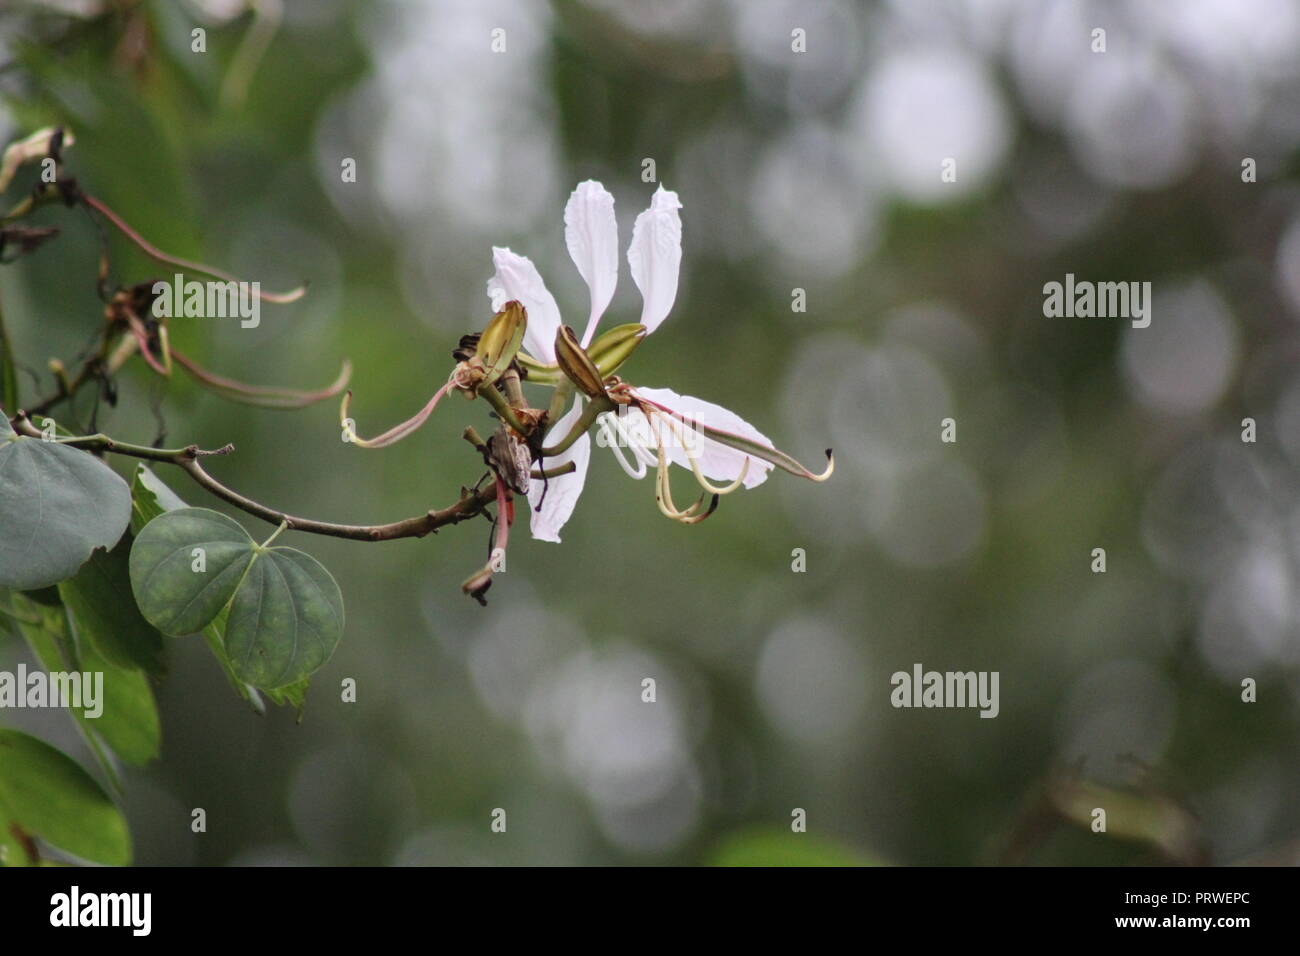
(99, 597)
(285, 621)
(283, 612)
(185, 566)
(57, 504)
(50, 796)
(151, 498)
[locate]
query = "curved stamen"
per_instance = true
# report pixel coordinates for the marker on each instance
(613, 442)
(664, 495)
(141, 336)
(397, 432)
(639, 447)
(749, 446)
(263, 396)
(695, 462)
(153, 252)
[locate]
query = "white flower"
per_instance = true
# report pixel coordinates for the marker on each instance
(658, 425)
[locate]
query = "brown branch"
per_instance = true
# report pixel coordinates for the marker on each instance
(470, 504)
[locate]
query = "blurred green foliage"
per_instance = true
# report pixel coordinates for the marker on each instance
(772, 685)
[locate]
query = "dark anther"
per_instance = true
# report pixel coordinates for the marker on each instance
(467, 348)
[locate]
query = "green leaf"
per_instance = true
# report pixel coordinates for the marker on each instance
(284, 611)
(286, 619)
(57, 504)
(49, 795)
(46, 631)
(12, 851)
(291, 695)
(128, 722)
(151, 498)
(47, 596)
(185, 566)
(99, 597)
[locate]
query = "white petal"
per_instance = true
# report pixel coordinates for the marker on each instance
(553, 501)
(655, 256)
(717, 461)
(591, 232)
(517, 278)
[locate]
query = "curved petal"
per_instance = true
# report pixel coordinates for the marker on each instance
(591, 233)
(517, 278)
(716, 461)
(552, 501)
(655, 256)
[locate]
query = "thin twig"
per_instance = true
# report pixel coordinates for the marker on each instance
(470, 504)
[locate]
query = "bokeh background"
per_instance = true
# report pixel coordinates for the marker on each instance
(818, 171)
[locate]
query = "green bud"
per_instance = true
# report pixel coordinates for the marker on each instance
(500, 341)
(614, 347)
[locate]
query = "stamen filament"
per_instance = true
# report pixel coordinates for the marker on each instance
(639, 448)
(142, 338)
(397, 432)
(664, 494)
(613, 442)
(263, 396)
(153, 252)
(695, 463)
(758, 450)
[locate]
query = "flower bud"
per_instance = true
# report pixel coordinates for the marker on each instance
(577, 365)
(500, 341)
